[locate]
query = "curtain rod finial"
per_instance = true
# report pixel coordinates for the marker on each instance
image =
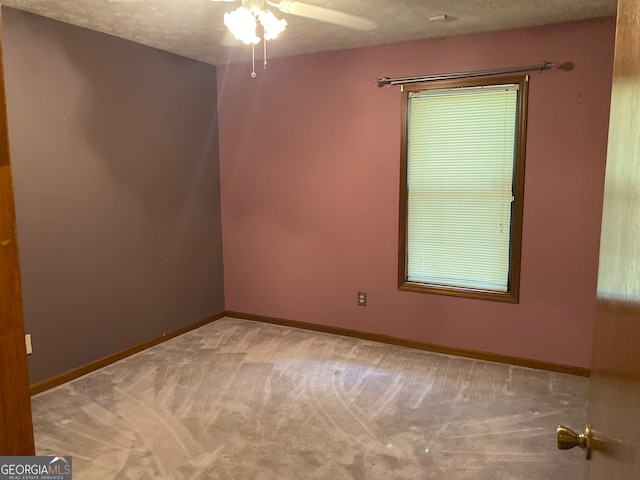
(566, 66)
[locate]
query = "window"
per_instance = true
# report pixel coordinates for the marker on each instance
(462, 183)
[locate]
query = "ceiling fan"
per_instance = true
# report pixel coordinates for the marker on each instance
(243, 21)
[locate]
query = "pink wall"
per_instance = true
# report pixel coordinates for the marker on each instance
(309, 158)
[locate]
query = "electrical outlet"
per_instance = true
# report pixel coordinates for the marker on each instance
(27, 341)
(362, 299)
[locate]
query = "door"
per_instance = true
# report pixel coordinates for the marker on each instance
(16, 430)
(614, 403)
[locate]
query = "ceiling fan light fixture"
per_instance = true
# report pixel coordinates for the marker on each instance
(273, 26)
(243, 21)
(242, 24)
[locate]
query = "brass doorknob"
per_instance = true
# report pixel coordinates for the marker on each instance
(567, 439)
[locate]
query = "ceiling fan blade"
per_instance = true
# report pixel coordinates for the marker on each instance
(324, 14)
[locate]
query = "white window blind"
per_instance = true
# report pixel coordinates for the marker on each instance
(461, 154)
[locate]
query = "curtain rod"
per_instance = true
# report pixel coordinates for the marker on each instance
(566, 66)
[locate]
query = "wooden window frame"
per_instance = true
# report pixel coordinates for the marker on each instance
(513, 292)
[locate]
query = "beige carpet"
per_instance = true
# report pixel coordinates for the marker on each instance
(243, 400)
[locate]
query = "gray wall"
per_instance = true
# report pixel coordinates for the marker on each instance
(115, 154)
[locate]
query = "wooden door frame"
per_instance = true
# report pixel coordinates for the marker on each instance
(16, 431)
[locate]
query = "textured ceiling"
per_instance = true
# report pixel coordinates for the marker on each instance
(195, 28)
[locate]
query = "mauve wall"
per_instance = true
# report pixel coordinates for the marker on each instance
(309, 159)
(115, 155)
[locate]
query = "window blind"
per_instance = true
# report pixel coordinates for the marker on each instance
(461, 153)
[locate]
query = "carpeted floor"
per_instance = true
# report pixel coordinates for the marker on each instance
(249, 401)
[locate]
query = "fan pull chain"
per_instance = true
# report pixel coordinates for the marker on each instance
(253, 60)
(264, 41)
